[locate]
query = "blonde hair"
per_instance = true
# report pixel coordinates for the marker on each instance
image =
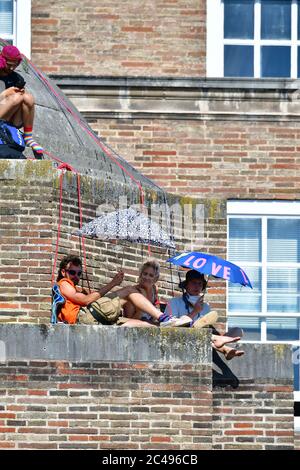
(151, 263)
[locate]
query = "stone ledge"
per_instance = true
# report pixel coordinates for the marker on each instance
(26, 170)
(164, 345)
(183, 99)
(181, 82)
(261, 361)
(104, 343)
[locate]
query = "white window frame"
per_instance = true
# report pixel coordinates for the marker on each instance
(215, 39)
(265, 209)
(21, 36)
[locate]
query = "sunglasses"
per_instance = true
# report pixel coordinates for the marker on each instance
(72, 272)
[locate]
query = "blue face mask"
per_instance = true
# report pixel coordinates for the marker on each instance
(193, 298)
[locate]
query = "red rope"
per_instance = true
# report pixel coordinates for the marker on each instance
(80, 226)
(67, 167)
(83, 126)
(59, 227)
(96, 140)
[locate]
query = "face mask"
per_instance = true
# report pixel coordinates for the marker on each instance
(193, 298)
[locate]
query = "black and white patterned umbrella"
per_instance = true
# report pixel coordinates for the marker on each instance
(128, 225)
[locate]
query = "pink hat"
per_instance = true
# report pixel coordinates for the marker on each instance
(2, 62)
(12, 53)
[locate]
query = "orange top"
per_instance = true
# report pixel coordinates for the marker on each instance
(69, 310)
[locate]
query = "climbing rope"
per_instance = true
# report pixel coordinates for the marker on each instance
(82, 124)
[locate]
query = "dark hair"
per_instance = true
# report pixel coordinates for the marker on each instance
(64, 263)
(192, 274)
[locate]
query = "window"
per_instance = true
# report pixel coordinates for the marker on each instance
(264, 239)
(253, 38)
(15, 23)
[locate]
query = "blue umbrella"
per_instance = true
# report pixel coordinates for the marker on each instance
(211, 265)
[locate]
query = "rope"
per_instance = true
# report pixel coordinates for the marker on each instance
(91, 134)
(80, 226)
(58, 228)
(105, 149)
(65, 166)
(68, 167)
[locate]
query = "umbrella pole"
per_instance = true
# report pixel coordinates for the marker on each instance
(122, 259)
(171, 273)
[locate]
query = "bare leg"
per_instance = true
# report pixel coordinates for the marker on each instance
(138, 300)
(143, 304)
(133, 323)
(9, 107)
(220, 341)
(228, 352)
(130, 311)
(28, 110)
(17, 107)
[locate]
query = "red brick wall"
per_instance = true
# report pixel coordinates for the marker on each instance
(63, 405)
(26, 242)
(103, 260)
(29, 215)
(212, 159)
(125, 38)
(134, 405)
(246, 418)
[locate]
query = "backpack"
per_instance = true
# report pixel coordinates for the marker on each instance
(105, 310)
(10, 135)
(57, 302)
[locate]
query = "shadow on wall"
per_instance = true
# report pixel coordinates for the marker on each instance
(222, 374)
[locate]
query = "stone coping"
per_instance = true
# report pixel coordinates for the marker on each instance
(183, 98)
(104, 343)
(179, 82)
(161, 345)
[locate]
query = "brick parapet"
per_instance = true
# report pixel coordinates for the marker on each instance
(26, 239)
(255, 416)
(140, 394)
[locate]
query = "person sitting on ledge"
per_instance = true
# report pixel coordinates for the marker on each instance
(70, 271)
(191, 303)
(16, 106)
(148, 277)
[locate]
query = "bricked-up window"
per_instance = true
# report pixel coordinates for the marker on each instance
(253, 38)
(15, 23)
(264, 239)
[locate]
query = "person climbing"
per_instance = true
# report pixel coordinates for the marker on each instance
(16, 108)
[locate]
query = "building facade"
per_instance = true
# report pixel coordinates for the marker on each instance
(203, 97)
